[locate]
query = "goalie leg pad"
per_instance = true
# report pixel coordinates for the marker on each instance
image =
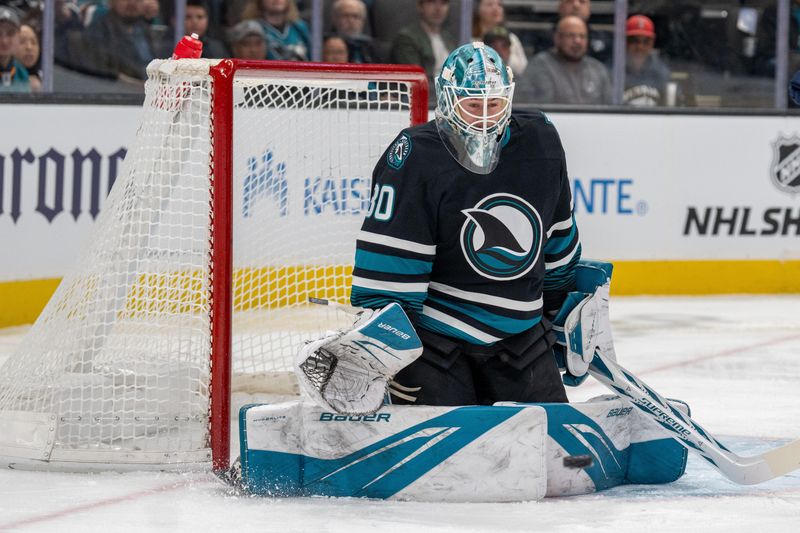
(603, 443)
(459, 454)
(505, 452)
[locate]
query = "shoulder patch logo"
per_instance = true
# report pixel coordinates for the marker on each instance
(502, 237)
(399, 152)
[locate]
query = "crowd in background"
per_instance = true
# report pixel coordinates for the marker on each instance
(116, 39)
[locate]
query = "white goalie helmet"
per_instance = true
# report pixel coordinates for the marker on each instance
(474, 92)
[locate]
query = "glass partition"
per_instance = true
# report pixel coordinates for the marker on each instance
(718, 53)
(706, 54)
(684, 53)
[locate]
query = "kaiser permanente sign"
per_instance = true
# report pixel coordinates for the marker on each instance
(681, 204)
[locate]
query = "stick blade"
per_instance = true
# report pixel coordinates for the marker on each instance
(751, 470)
(785, 459)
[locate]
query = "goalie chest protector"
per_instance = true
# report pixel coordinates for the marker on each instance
(506, 452)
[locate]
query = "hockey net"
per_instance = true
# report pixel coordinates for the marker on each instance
(240, 199)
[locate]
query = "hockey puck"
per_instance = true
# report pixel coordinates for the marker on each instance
(578, 461)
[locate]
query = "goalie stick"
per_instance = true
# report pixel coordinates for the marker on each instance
(742, 470)
(349, 309)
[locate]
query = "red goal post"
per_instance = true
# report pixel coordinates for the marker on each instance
(222, 106)
(240, 199)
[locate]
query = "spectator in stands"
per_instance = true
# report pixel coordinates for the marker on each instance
(69, 28)
(150, 11)
(565, 74)
(219, 14)
(121, 43)
(29, 54)
(646, 75)
(794, 42)
(196, 21)
(794, 89)
(577, 8)
(600, 43)
(153, 14)
(13, 75)
(88, 10)
(334, 50)
(425, 43)
(489, 14)
(287, 35)
(499, 38)
(249, 40)
(349, 17)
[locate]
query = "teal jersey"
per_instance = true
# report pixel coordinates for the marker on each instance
(292, 43)
(14, 78)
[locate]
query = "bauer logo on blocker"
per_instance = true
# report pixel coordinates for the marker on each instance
(501, 237)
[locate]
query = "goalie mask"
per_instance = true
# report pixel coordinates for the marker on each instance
(474, 92)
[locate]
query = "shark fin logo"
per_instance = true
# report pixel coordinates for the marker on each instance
(501, 237)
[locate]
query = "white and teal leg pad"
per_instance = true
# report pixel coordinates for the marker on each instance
(507, 452)
(402, 452)
(608, 444)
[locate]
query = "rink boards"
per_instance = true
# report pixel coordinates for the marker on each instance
(683, 204)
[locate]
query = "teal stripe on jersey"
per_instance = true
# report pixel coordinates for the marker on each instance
(374, 299)
(557, 245)
(563, 275)
(574, 256)
(508, 325)
(431, 324)
(391, 264)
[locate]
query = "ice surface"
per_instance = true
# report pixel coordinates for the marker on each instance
(736, 360)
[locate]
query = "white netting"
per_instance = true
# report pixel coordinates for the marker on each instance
(116, 369)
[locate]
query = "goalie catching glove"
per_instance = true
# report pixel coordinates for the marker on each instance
(348, 371)
(582, 325)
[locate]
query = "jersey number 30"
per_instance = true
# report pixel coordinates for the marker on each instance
(381, 205)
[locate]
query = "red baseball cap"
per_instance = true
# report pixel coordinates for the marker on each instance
(640, 25)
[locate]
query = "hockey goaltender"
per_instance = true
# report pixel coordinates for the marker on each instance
(472, 310)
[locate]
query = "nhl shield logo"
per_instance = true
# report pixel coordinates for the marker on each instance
(785, 170)
(501, 237)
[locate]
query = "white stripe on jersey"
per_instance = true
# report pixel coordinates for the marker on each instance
(393, 242)
(564, 224)
(459, 325)
(393, 286)
(561, 262)
(496, 301)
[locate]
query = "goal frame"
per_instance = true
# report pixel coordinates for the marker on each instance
(221, 168)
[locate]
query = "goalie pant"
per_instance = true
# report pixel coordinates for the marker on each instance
(521, 368)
